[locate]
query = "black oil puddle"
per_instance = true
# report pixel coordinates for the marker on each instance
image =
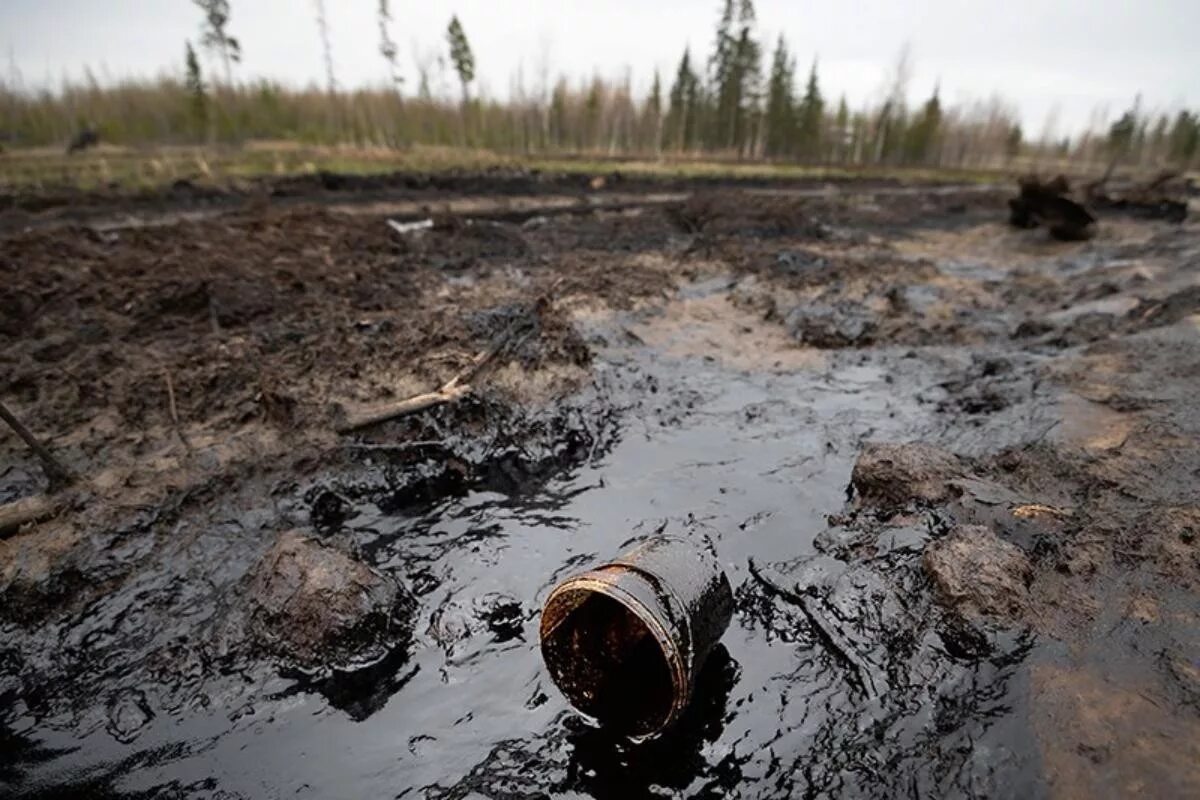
(837, 677)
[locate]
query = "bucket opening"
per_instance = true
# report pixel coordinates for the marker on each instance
(607, 661)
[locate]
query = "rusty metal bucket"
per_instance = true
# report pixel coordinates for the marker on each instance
(625, 641)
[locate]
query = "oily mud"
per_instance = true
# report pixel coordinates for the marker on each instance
(950, 471)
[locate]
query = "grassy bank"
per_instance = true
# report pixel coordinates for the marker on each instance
(134, 169)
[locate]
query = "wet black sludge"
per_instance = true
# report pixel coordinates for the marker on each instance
(861, 689)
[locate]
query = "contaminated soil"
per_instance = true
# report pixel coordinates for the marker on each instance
(950, 467)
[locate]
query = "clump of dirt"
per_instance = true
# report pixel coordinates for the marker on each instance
(891, 476)
(321, 609)
(844, 324)
(978, 573)
(1046, 203)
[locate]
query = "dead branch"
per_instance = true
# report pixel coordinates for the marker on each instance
(383, 413)
(857, 672)
(58, 475)
(28, 509)
(1158, 181)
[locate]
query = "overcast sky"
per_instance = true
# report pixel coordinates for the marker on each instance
(1076, 56)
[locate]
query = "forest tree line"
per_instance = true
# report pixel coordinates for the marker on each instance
(736, 100)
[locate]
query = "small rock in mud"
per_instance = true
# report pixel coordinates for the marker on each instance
(799, 262)
(319, 607)
(328, 510)
(979, 574)
(830, 326)
(915, 298)
(890, 476)
(128, 714)
(498, 616)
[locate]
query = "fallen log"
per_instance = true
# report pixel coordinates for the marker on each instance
(28, 509)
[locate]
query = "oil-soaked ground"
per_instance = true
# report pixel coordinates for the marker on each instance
(1061, 377)
(754, 461)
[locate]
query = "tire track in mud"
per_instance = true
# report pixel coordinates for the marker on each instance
(516, 208)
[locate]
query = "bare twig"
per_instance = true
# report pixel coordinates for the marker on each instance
(58, 474)
(28, 509)
(175, 411)
(396, 447)
(405, 228)
(453, 389)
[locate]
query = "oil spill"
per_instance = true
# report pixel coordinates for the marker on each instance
(838, 675)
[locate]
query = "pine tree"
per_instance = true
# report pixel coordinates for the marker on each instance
(720, 69)
(749, 90)
(1158, 137)
(652, 115)
(215, 36)
(461, 55)
(859, 137)
(841, 129)
(592, 106)
(1122, 132)
(889, 130)
(781, 111)
(1013, 142)
(197, 93)
(735, 76)
(811, 117)
(680, 130)
(1185, 137)
(558, 121)
(654, 100)
(921, 136)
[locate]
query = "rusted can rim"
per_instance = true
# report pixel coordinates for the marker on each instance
(597, 581)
